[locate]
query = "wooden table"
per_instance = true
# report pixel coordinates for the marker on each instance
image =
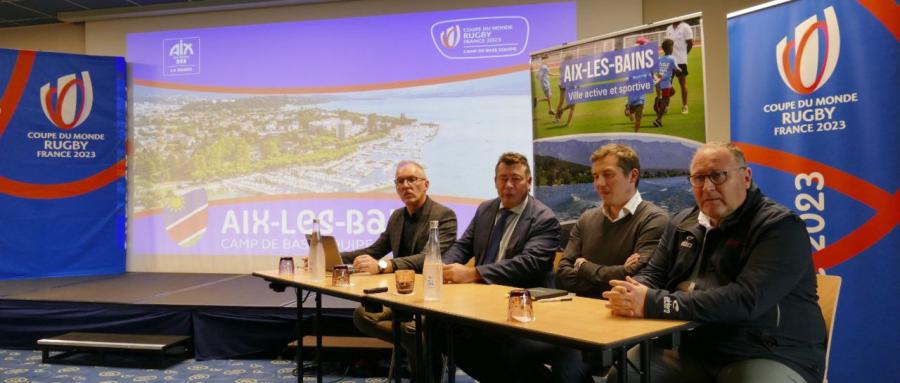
(583, 323)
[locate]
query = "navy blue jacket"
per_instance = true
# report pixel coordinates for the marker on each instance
(764, 302)
(529, 253)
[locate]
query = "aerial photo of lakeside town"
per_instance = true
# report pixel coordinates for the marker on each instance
(264, 145)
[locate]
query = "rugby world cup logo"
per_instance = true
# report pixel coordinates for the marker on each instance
(814, 49)
(450, 37)
(74, 98)
(187, 217)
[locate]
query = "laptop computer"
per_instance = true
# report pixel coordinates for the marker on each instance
(332, 255)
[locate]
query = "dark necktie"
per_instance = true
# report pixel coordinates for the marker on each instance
(490, 255)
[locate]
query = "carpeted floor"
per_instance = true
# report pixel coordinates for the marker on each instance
(22, 366)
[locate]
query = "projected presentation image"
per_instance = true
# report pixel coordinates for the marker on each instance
(243, 145)
(243, 135)
(626, 83)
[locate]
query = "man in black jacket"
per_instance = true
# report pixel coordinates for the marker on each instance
(405, 237)
(740, 264)
(407, 228)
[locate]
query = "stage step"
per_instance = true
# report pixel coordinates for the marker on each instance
(103, 342)
(345, 342)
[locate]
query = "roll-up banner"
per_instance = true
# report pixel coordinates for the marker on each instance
(62, 164)
(813, 105)
(625, 88)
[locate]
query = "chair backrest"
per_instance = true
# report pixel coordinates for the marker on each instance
(829, 288)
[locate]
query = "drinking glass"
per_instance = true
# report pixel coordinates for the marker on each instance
(340, 276)
(519, 307)
(286, 266)
(406, 281)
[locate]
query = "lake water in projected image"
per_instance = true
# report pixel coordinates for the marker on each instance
(664, 162)
(672, 194)
(473, 131)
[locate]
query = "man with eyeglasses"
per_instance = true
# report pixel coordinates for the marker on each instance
(513, 239)
(405, 237)
(740, 264)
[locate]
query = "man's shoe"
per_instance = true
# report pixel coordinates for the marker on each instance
(657, 123)
(684, 109)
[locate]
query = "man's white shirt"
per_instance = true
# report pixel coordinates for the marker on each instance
(629, 207)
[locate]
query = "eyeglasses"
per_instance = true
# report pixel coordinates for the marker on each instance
(408, 180)
(717, 177)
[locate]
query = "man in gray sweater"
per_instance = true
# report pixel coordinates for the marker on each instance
(616, 238)
(608, 242)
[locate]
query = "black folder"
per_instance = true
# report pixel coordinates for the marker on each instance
(538, 293)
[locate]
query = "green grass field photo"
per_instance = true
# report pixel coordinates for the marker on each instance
(607, 116)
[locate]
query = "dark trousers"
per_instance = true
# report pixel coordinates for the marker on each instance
(527, 360)
(477, 352)
(380, 325)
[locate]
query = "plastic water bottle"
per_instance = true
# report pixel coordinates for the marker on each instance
(316, 254)
(434, 267)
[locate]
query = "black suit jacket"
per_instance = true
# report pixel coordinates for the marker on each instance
(389, 240)
(528, 255)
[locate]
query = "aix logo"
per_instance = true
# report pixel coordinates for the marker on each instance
(69, 103)
(181, 51)
(807, 61)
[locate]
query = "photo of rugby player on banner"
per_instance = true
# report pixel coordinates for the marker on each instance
(643, 87)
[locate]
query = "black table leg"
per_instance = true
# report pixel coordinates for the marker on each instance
(645, 361)
(429, 351)
(621, 362)
(317, 325)
(451, 360)
(299, 330)
(420, 364)
(395, 359)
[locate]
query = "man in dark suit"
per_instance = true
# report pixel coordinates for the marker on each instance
(405, 236)
(518, 254)
(513, 239)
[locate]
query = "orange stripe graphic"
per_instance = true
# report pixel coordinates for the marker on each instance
(331, 89)
(16, 86)
(860, 239)
(887, 12)
(886, 206)
(316, 196)
(63, 190)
